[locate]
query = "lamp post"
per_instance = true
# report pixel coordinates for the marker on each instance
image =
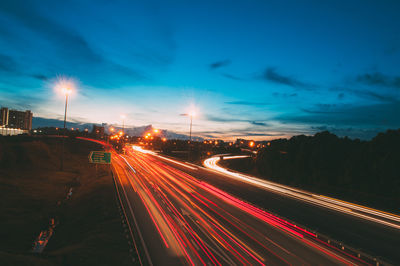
(191, 115)
(123, 123)
(108, 139)
(66, 91)
(190, 131)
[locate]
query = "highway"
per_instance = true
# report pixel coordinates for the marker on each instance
(180, 219)
(375, 239)
(362, 212)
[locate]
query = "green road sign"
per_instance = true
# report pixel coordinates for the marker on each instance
(100, 157)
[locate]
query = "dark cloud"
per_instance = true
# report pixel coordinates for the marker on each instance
(40, 77)
(374, 115)
(233, 77)
(7, 63)
(254, 134)
(376, 96)
(235, 120)
(70, 46)
(365, 94)
(220, 64)
(15, 101)
(379, 79)
(284, 95)
(272, 75)
(258, 123)
(26, 13)
(247, 103)
(223, 119)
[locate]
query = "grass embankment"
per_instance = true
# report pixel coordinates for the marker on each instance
(32, 190)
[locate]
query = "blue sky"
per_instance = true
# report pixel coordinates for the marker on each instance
(252, 69)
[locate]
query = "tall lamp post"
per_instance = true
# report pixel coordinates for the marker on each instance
(191, 114)
(112, 131)
(123, 124)
(66, 91)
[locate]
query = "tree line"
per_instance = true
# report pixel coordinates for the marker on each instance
(367, 172)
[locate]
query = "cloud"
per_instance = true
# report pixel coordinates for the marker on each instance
(247, 103)
(13, 100)
(7, 63)
(254, 134)
(40, 77)
(233, 77)
(341, 96)
(284, 95)
(236, 120)
(365, 94)
(271, 75)
(77, 55)
(258, 123)
(371, 116)
(379, 79)
(220, 64)
(52, 31)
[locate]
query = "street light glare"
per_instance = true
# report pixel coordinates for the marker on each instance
(65, 86)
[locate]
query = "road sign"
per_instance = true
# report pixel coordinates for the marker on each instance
(100, 157)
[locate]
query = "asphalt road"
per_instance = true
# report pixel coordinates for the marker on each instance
(182, 220)
(376, 239)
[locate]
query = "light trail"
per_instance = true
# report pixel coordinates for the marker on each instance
(203, 225)
(209, 232)
(359, 211)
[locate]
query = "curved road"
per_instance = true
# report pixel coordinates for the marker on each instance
(183, 220)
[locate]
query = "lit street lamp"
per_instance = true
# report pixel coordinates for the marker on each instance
(66, 91)
(111, 130)
(191, 114)
(123, 123)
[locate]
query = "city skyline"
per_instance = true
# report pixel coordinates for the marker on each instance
(256, 70)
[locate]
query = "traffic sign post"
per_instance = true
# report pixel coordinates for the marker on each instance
(102, 157)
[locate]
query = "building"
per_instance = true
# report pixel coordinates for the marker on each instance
(13, 122)
(3, 116)
(20, 120)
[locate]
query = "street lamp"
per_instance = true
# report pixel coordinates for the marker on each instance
(112, 130)
(123, 123)
(191, 114)
(66, 91)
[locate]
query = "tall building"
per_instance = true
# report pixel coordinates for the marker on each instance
(4, 116)
(20, 119)
(13, 122)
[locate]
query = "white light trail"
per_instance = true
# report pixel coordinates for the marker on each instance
(319, 200)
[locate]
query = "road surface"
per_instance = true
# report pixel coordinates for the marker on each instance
(180, 219)
(380, 241)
